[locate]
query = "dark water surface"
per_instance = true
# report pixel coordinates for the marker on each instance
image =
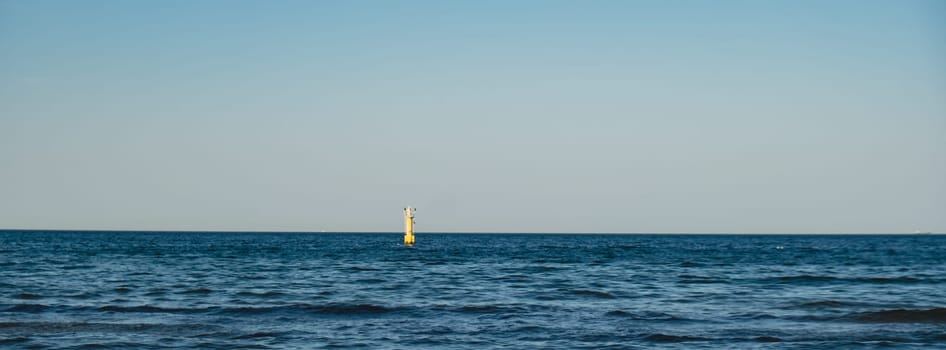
(92, 290)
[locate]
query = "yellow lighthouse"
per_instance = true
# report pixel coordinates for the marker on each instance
(409, 226)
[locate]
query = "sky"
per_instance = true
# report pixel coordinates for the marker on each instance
(488, 116)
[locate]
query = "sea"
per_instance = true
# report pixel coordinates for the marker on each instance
(203, 290)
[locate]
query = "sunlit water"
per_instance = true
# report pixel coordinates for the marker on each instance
(464, 291)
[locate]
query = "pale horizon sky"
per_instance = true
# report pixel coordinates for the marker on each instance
(488, 116)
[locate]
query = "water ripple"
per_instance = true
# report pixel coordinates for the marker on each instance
(83, 290)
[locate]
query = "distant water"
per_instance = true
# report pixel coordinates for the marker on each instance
(99, 290)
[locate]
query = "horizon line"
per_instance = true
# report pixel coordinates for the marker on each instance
(464, 232)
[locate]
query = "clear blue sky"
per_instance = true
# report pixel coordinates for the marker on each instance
(500, 116)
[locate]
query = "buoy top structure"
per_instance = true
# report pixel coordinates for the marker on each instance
(409, 226)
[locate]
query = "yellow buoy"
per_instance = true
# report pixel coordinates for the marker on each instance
(409, 226)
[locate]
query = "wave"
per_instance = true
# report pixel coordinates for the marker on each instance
(874, 280)
(156, 292)
(325, 309)
(372, 281)
(28, 296)
(804, 278)
(329, 309)
(937, 315)
(488, 309)
(667, 338)
(93, 327)
(767, 339)
(148, 309)
(542, 269)
(254, 277)
(815, 318)
(257, 335)
(111, 345)
(11, 341)
(826, 304)
(593, 293)
(437, 330)
(645, 316)
(84, 295)
(362, 268)
(266, 294)
(694, 279)
(30, 308)
(754, 316)
(838, 305)
(903, 279)
(345, 309)
(197, 291)
(493, 308)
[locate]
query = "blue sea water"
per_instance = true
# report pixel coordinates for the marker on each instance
(153, 290)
